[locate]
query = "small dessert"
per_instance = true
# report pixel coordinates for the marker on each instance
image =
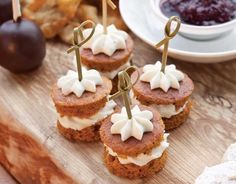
(200, 12)
(109, 50)
(22, 45)
(230, 154)
(164, 88)
(224, 173)
(81, 100)
(134, 139)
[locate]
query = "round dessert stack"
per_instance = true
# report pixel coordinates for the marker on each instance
(135, 143)
(163, 87)
(168, 93)
(109, 53)
(133, 158)
(80, 112)
(109, 50)
(81, 97)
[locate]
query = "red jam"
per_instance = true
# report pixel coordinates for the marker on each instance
(200, 12)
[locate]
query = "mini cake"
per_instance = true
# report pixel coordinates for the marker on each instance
(82, 105)
(109, 53)
(129, 151)
(224, 173)
(168, 92)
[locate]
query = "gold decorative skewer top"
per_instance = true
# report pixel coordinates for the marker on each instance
(168, 36)
(78, 33)
(104, 12)
(124, 87)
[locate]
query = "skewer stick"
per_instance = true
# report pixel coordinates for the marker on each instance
(16, 10)
(124, 87)
(78, 32)
(104, 12)
(168, 36)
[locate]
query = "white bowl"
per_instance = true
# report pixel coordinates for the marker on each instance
(193, 31)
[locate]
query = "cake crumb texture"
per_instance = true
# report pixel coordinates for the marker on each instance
(177, 120)
(133, 171)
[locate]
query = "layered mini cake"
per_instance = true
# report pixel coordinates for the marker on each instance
(109, 53)
(82, 105)
(136, 147)
(168, 92)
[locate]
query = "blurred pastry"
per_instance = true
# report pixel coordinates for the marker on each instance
(59, 17)
(66, 34)
(93, 10)
(50, 15)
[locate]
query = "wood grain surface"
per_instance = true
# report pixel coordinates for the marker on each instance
(200, 142)
(6, 177)
(25, 158)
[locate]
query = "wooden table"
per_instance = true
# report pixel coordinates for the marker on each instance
(201, 141)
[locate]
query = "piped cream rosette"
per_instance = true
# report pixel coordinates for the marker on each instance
(71, 84)
(170, 78)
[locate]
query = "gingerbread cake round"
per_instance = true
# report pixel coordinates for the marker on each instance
(109, 53)
(136, 147)
(82, 106)
(169, 93)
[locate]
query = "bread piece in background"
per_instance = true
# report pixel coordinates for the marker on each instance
(66, 33)
(87, 12)
(60, 17)
(50, 15)
(84, 12)
(92, 10)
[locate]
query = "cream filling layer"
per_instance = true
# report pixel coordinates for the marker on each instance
(142, 159)
(112, 74)
(77, 123)
(166, 111)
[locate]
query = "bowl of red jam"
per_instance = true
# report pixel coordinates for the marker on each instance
(201, 19)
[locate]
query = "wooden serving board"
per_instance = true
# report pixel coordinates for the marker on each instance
(201, 141)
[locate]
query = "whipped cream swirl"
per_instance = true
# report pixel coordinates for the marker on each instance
(77, 123)
(71, 84)
(164, 80)
(134, 127)
(142, 159)
(105, 43)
